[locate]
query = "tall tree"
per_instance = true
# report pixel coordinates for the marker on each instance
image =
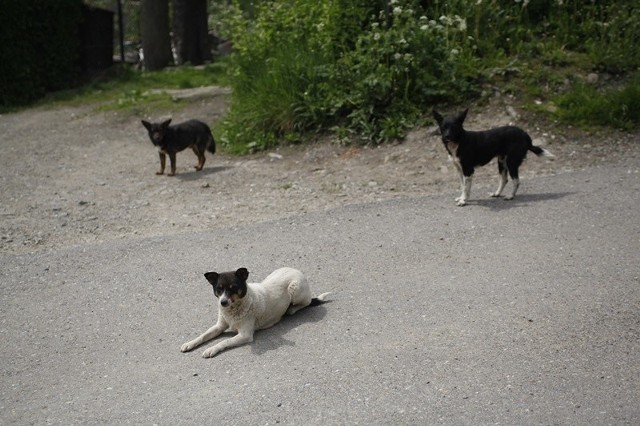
(190, 31)
(154, 28)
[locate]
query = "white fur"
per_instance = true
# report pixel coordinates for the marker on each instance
(285, 290)
(547, 154)
(466, 190)
(453, 148)
(516, 184)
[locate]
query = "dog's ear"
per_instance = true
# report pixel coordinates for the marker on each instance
(212, 277)
(166, 123)
(437, 116)
(146, 124)
(242, 274)
(463, 115)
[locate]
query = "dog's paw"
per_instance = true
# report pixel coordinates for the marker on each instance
(160, 173)
(509, 197)
(495, 194)
(186, 347)
(210, 353)
(461, 202)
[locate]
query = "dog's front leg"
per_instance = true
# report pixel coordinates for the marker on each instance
(172, 158)
(458, 167)
(163, 162)
(211, 333)
(243, 336)
(466, 190)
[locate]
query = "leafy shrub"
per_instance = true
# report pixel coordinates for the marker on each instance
(305, 65)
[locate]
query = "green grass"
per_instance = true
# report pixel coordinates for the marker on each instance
(587, 106)
(129, 89)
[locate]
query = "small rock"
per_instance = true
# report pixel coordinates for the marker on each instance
(592, 78)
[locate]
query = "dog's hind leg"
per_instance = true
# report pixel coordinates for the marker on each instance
(512, 166)
(201, 158)
(516, 184)
(300, 295)
(502, 170)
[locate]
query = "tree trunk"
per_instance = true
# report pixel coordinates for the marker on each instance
(154, 28)
(191, 31)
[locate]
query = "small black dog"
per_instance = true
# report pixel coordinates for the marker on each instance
(170, 140)
(470, 149)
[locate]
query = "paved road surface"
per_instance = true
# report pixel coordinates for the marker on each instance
(523, 312)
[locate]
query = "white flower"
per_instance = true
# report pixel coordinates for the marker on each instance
(397, 10)
(376, 36)
(454, 52)
(446, 20)
(423, 18)
(397, 56)
(424, 27)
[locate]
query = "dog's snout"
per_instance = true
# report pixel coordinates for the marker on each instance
(224, 301)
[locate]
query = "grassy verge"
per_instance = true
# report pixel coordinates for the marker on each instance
(586, 105)
(128, 89)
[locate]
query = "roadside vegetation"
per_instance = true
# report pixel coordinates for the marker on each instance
(127, 88)
(369, 70)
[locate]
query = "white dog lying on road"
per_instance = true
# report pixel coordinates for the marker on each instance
(245, 308)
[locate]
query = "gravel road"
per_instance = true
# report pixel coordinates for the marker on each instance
(522, 312)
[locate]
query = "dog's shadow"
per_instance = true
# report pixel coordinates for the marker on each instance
(194, 174)
(500, 203)
(274, 337)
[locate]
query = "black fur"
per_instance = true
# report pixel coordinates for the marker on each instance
(233, 283)
(170, 140)
(315, 302)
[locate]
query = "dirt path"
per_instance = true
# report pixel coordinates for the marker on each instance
(72, 175)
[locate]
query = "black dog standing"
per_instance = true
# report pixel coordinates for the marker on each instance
(467, 150)
(170, 140)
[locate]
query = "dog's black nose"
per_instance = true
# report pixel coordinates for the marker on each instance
(224, 302)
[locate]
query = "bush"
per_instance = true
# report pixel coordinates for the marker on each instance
(40, 48)
(305, 65)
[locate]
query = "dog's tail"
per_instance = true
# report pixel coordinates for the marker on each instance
(319, 300)
(211, 145)
(541, 152)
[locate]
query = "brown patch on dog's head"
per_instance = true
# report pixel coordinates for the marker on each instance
(228, 287)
